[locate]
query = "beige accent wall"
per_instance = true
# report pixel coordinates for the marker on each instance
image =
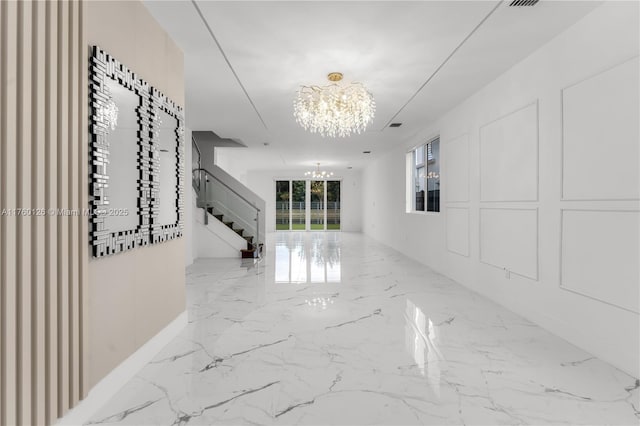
(66, 320)
(134, 294)
(43, 254)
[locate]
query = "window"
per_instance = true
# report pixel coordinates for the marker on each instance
(425, 177)
(311, 205)
(283, 195)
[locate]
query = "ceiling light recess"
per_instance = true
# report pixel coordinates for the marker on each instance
(336, 109)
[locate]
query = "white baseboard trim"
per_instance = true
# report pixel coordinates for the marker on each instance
(119, 376)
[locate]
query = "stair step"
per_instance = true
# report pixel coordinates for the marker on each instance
(252, 252)
(249, 242)
(239, 231)
(249, 253)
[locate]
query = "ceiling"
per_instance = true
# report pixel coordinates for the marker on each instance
(245, 60)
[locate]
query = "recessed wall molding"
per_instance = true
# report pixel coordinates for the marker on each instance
(458, 230)
(599, 146)
(599, 255)
(509, 156)
(456, 164)
(508, 239)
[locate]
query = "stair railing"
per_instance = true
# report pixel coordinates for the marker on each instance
(216, 194)
(196, 164)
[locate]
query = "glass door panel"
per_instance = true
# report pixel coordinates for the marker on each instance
(283, 197)
(333, 204)
(317, 205)
(298, 205)
(308, 205)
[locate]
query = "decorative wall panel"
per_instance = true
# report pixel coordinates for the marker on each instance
(509, 157)
(601, 130)
(456, 157)
(509, 240)
(458, 230)
(43, 231)
(600, 255)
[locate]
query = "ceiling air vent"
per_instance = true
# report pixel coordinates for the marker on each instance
(395, 124)
(517, 3)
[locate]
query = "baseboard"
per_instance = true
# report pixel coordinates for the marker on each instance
(116, 379)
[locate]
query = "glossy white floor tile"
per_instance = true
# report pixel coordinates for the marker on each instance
(334, 328)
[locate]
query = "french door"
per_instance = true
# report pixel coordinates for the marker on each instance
(307, 205)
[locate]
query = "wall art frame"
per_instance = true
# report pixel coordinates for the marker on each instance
(161, 232)
(105, 241)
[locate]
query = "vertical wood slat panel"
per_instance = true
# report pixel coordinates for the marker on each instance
(43, 258)
(62, 202)
(38, 220)
(3, 108)
(8, 182)
(51, 232)
(74, 220)
(23, 178)
(3, 26)
(83, 96)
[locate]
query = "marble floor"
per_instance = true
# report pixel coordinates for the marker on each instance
(334, 328)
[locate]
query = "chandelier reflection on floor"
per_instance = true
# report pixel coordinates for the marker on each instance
(334, 110)
(317, 174)
(320, 302)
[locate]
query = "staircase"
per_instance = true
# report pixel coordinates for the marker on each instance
(236, 213)
(252, 250)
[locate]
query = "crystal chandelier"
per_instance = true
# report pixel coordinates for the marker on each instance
(317, 174)
(334, 110)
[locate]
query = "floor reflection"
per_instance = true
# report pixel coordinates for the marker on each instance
(307, 257)
(422, 340)
(320, 302)
(394, 343)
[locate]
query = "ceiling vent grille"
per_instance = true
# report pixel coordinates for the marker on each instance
(517, 3)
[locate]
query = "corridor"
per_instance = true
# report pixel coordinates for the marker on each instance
(335, 328)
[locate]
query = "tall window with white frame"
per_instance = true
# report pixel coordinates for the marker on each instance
(426, 177)
(307, 205)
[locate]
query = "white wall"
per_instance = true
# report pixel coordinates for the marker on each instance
(229, 161)
(263, 183)
(539, 189)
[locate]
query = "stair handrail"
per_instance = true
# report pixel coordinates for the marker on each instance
(201, 169)
(195, 144)
(194, 184)
(203, 189)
